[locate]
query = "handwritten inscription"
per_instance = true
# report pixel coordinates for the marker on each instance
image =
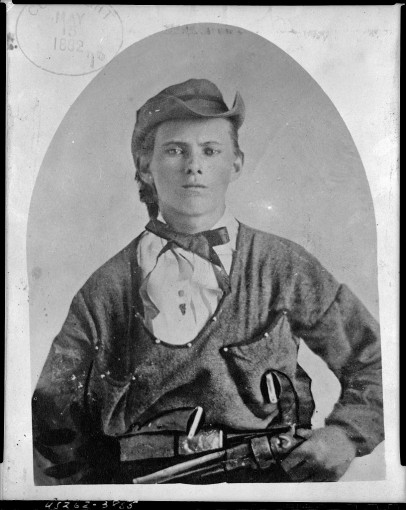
(94, 505)
(195, 29)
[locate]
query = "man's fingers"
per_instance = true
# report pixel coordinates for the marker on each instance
(300, 463)
(302, 472)
(297, 456)
(323, 456)
(305, 433)
(308, 470)
(319, 475)
(293, 460)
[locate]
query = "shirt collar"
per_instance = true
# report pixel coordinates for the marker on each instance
(228, 221)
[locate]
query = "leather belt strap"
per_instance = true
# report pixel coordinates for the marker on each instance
(168, 444)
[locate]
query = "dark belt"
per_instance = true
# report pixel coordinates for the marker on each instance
(211, 454)
(176, 434)
(167, 444)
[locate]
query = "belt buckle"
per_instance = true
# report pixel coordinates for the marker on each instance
(203, 441)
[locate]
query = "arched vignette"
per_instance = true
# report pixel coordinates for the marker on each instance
(303, 178)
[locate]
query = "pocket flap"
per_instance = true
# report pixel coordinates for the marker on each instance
(250, 362)
(275, 348)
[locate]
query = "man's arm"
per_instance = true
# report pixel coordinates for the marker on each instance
(69, 442)
(67, 430)
(65, 438)
(346, 337)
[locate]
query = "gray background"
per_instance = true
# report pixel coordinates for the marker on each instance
(303, 177)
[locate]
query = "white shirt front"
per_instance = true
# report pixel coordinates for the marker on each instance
(179, 288)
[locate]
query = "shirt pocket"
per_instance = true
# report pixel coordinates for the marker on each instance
(263, 370)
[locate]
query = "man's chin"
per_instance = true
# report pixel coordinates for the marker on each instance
(192, 211)
(194, 206)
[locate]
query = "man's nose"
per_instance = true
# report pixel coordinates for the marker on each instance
(194, 165)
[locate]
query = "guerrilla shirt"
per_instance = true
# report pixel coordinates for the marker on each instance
(106, 373)
(179, 288)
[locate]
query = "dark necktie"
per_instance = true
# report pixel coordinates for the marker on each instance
(201, 244)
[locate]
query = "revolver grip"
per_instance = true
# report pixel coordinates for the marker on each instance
(283, 444)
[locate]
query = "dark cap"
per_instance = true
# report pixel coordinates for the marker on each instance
(192, 99)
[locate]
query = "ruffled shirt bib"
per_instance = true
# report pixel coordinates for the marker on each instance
(179, 288)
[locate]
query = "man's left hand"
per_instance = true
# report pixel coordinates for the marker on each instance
(324, 457)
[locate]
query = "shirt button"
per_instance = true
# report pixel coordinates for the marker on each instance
(157, 341)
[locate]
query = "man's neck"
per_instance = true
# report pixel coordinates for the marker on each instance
(192, 224)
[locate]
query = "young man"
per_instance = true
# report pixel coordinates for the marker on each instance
(194, 328)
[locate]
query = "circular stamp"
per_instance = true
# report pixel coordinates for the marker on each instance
(69, 40)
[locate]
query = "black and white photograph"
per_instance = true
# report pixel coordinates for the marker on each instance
(202, 210)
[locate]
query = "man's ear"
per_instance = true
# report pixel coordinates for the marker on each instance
(146, 177)
(144, 173)
(237, 166)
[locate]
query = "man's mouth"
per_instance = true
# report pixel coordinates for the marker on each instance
(194, 186)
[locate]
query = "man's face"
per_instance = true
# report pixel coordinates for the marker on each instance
(192, 164)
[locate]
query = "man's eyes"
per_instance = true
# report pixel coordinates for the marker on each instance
(177, 151)
(209, 151)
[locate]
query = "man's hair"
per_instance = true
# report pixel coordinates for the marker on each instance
(142, 158)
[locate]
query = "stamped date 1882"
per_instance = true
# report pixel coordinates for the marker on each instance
(69, 39)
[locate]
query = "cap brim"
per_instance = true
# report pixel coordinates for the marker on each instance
(173, 108)
(183, 109)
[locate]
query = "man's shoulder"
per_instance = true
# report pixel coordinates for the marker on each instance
(274, 247)
(302, 284)
(116, 273)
